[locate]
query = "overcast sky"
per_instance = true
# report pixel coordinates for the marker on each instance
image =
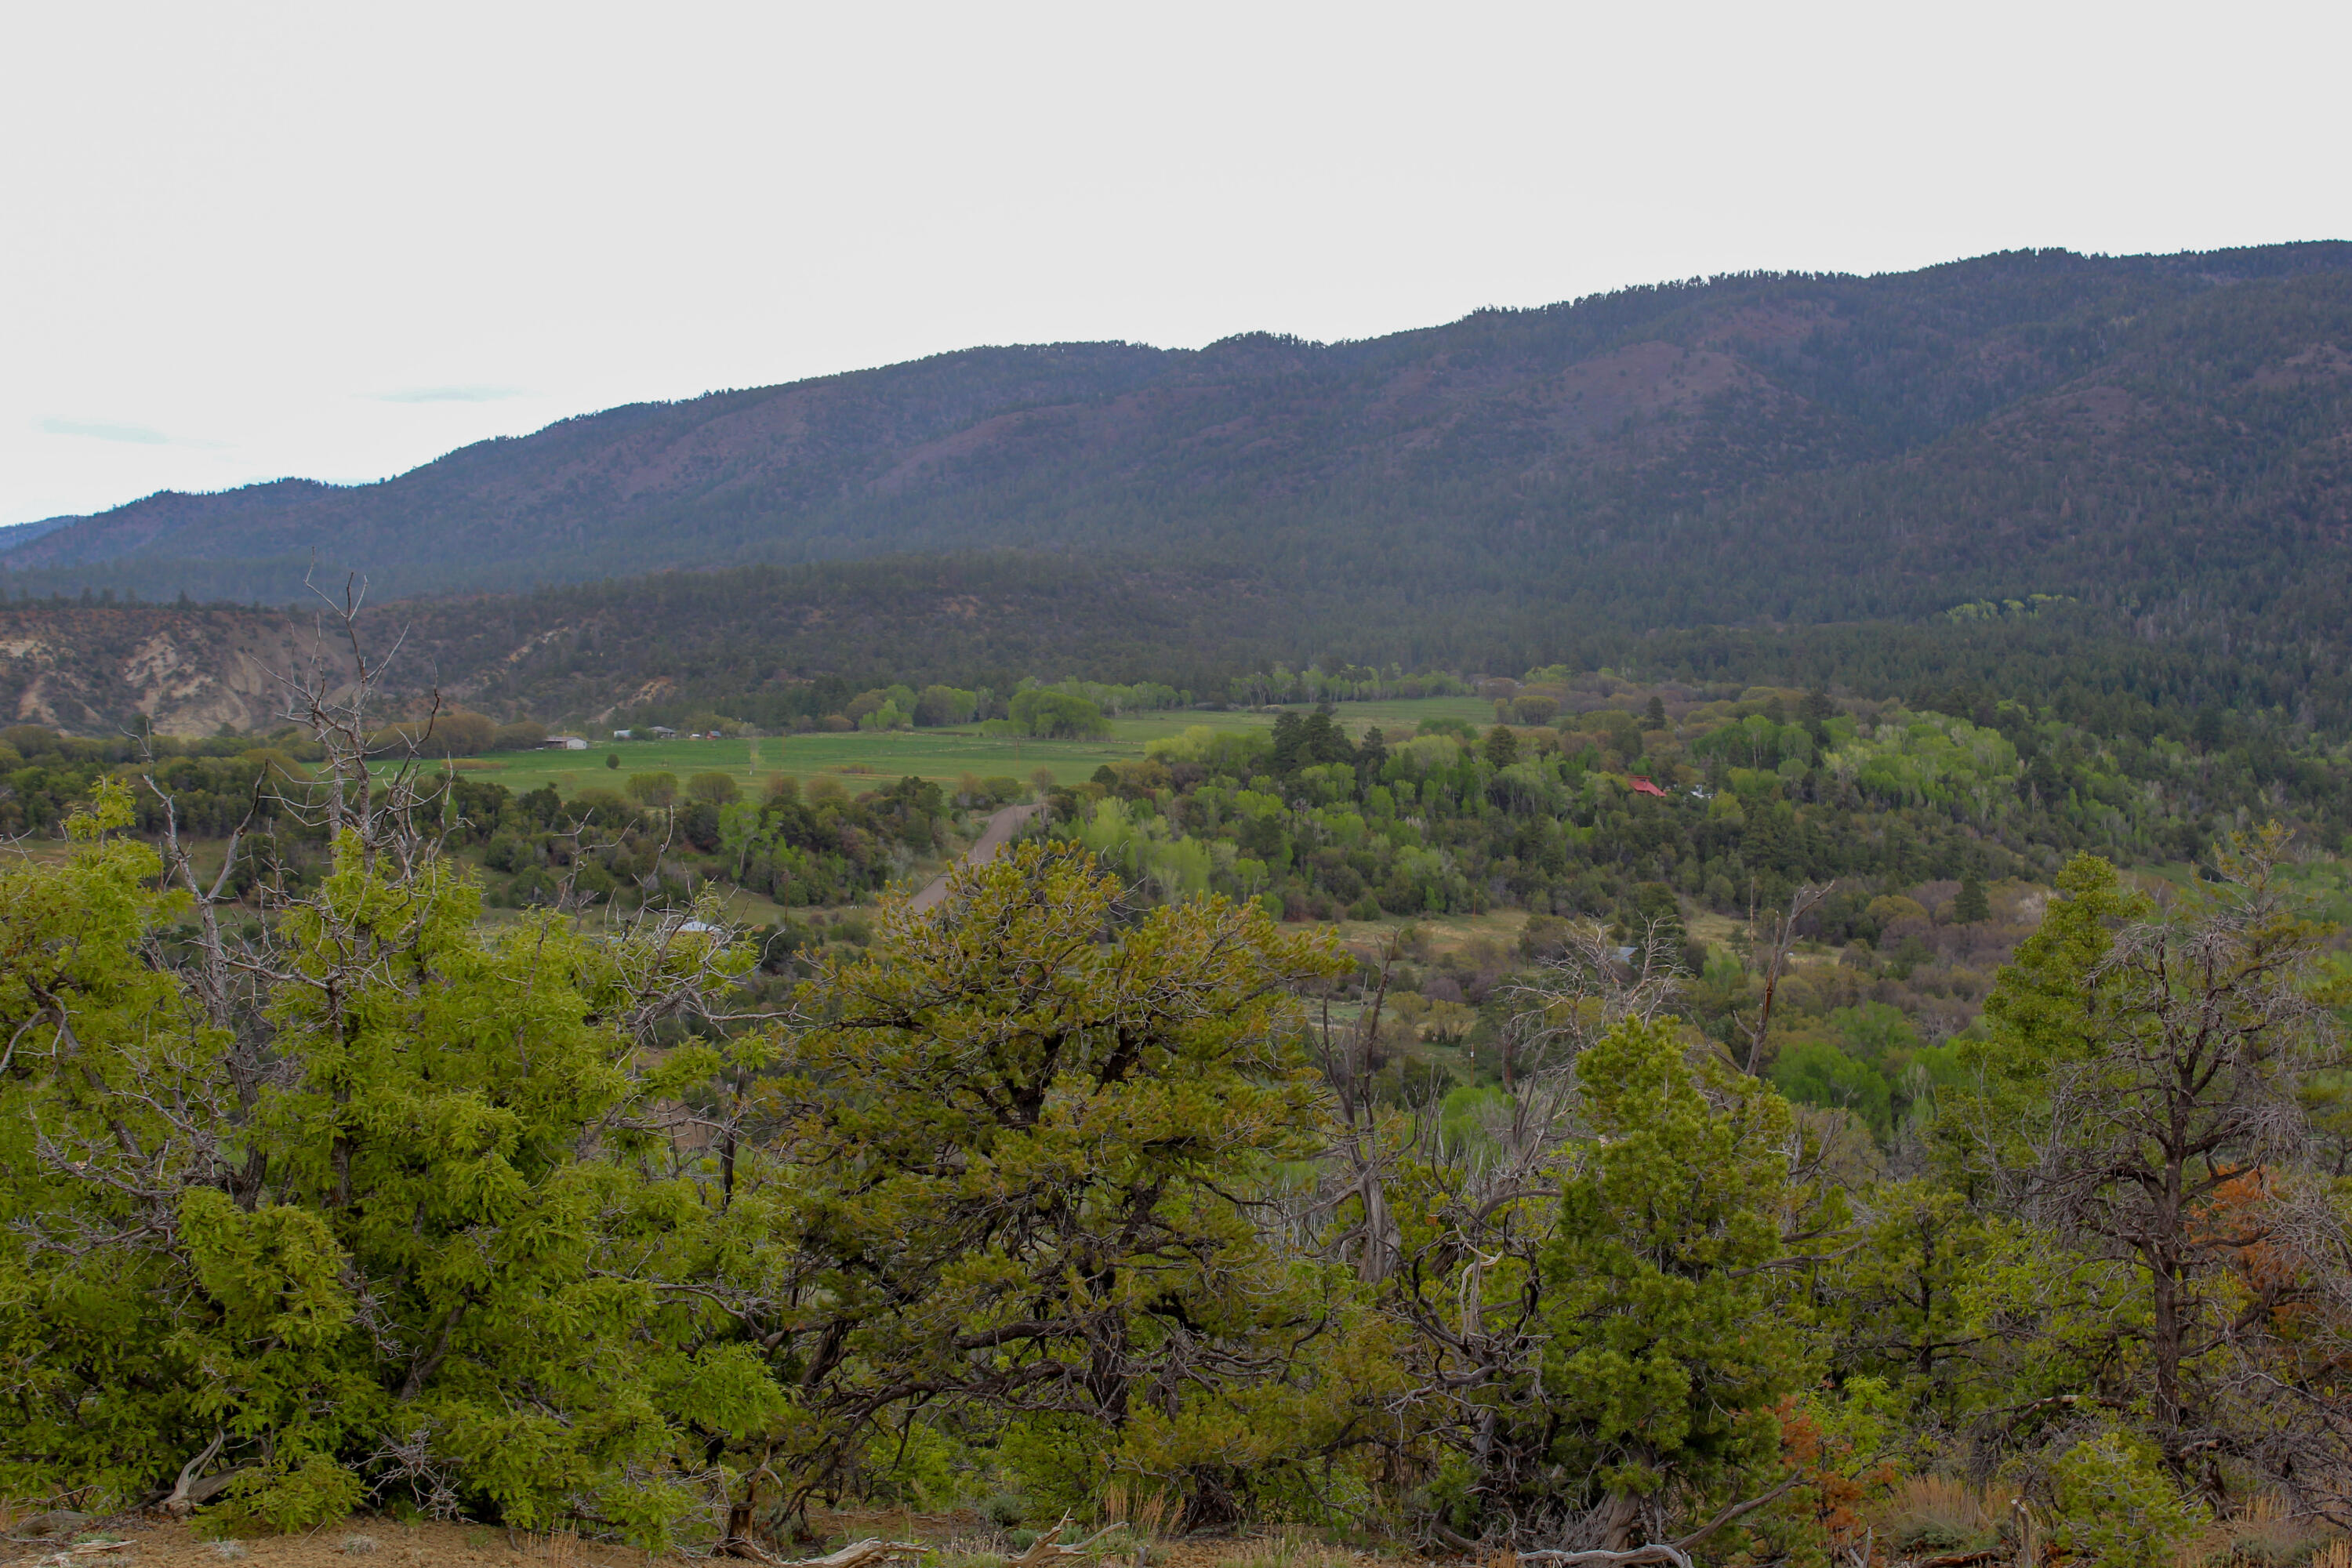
(240, 241)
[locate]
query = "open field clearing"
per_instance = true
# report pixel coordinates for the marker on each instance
(1439, 933)
(1398, 713)
(942, 754)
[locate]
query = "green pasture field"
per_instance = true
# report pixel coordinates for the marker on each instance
(943, 754)
(1402, 713)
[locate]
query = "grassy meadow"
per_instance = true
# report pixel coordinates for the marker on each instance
(944, 754)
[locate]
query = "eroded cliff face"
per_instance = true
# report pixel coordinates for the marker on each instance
(95, 668)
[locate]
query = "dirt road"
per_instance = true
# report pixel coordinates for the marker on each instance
(992, 839)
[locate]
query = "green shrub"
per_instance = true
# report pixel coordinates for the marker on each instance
(2115, 1506)
(286, 1496)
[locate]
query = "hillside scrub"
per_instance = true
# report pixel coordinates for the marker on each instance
(323, 1192)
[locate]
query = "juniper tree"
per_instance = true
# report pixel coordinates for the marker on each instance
(1603, 1316)
(1024, 1138)
(2141, 1101)
(353, 1198)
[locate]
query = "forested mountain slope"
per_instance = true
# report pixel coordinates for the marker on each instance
(2162, 434)
(768, 645)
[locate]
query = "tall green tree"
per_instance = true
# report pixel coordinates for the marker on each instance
(359, 1213)
(1028, 1133)
(2141, 1076)
(1671, 1333)
(1609, 1321)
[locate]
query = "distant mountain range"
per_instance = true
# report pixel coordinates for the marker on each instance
(2166, 431)
(15, 533)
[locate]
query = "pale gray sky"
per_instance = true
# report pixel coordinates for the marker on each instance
(240, 241)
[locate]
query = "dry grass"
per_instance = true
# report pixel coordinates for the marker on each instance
(1141, 1508)
(1941, 1513)
(2265, 1534)
(1289, 1547)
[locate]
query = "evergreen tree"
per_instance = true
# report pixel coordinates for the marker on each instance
(2141, 1074)
(1028, 1204)
(1616, 1346)
(1322, 741)
(1289, 742)
(1816, 713)
(421, 1222)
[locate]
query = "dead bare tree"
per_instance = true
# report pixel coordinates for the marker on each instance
(1347, 1062)
(384, 810)
(1591, 986)
(1778, 945)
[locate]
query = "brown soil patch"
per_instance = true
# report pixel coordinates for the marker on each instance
(357, 1543)
(366, 1542)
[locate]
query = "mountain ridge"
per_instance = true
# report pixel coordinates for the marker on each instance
(1800, 446)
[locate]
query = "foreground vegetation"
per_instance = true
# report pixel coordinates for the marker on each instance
(1814, 1235)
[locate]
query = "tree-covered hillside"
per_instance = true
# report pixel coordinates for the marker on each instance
(2159, 434)
(769, 647)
